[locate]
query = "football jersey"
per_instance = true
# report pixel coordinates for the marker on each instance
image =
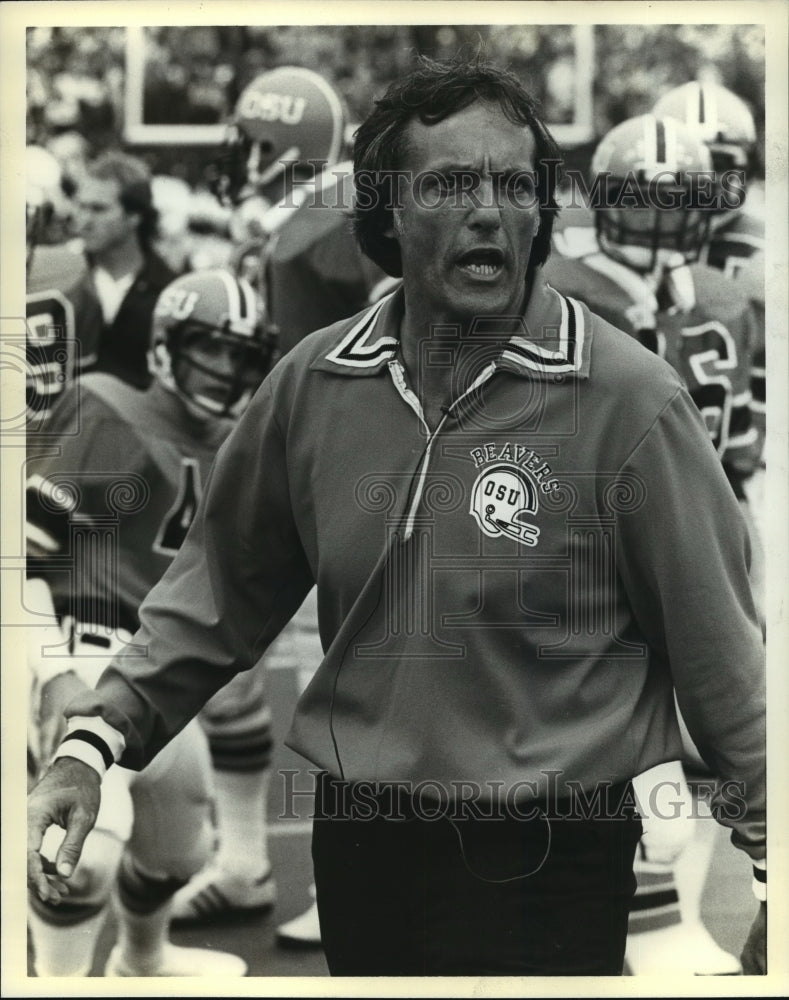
(735, 239)
(108, 510)
(696, 319)
(314, 271)
(737, 249)
(750, 278)
(64, 326)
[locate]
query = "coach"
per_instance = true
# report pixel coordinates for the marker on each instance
(523, 543)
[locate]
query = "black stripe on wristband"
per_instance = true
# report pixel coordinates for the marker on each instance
(652, 900)
(760, 874)
(95, 741)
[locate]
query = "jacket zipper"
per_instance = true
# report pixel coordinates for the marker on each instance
(398, 377)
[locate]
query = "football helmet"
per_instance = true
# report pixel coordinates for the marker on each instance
(289, 116)
(211, 341)
(722, 120)
(652, 189)
(44, 197)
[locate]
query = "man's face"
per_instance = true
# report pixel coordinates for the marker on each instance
(469, 215)
(99, 217)
(216, 370)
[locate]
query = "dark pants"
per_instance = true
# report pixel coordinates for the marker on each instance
(444, 897)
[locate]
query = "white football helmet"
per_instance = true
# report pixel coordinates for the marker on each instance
(654, 194)
(199, 315)
(721, 119)
(44, 196)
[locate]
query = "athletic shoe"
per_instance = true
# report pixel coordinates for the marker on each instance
(176, 961)
(303, 931)
(682, 948)
(214, 892)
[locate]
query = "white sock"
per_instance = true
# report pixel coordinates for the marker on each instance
(142, 936)
(692, 866)
(241, 801)
(64, 950)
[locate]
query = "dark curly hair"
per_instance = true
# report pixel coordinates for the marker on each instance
(136, 196)
(429, 93)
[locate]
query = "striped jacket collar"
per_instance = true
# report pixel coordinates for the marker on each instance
(562, 348)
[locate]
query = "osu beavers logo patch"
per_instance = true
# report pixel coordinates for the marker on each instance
(504, 497)
(501, 500)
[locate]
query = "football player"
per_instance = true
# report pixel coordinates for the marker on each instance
(285, 174)
(725, 124)
(287, 127)
(282, 177)
(638, 267)
(107, 509)
(63, 315)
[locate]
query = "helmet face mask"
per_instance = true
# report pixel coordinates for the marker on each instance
(650, 234)
(649, 207)
(212, 344)
(214, 369)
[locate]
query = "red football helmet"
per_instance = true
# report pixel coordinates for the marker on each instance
(289, 116)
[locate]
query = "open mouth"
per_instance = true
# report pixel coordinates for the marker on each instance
(483, 261)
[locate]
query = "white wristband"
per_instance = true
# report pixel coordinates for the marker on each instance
(82, 751)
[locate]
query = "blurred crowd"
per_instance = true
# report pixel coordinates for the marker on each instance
(194, 75)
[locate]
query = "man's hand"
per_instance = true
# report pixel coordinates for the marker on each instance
(754, 954)
(67, 796)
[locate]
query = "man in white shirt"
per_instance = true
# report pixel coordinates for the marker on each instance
(115, 220)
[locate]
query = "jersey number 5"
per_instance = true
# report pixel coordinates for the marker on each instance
(179, 517)
(712, 355)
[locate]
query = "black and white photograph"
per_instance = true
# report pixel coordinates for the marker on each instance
(395, 476)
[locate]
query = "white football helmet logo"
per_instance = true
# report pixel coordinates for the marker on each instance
(502, 497)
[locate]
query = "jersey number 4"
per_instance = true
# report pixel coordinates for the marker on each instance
(179, 517)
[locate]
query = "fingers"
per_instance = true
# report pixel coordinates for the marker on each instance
(41, 876)
(79, 826)
(36, 879)
(47, 886)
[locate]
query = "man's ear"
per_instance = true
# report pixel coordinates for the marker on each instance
(394, 227)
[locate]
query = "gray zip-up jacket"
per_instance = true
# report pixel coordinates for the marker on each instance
(508, 599)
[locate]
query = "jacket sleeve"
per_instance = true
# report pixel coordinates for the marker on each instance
(239, 576)
(684, 557)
